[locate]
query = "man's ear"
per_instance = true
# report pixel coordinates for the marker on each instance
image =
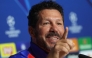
(31, 31)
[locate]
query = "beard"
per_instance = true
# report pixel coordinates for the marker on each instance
(42, 42)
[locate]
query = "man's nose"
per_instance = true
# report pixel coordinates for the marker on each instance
(54, 28)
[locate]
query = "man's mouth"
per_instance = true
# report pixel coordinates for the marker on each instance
(53, 39)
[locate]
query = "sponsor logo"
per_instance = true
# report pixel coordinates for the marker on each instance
(76, 48)
(85, 43)
(7, 49)
(12, 32)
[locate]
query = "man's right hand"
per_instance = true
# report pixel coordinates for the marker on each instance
(62, 47)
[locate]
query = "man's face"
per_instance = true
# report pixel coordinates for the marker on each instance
(49, 28)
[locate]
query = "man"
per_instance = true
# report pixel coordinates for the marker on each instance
(46, 27)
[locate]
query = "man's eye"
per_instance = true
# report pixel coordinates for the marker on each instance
(59, 23)
(45, 23)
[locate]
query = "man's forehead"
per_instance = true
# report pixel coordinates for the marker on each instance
(48, 14)
(52, 18)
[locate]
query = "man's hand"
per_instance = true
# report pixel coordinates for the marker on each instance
(62, 47)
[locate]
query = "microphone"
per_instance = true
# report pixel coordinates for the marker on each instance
(83, 56)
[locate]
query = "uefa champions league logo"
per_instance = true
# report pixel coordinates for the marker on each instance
(74, 28)
(12, 32)
(11, 22)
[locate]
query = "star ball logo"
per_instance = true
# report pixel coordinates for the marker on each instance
(90, 2)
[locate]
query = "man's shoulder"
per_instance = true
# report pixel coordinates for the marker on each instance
(22, 54)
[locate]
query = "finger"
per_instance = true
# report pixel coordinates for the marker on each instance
(65, 33)
(65, 44)
(71, 44)
(62, 47)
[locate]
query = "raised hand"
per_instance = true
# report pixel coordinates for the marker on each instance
(62, 47)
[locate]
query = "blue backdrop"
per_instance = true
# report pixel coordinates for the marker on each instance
(14, 23)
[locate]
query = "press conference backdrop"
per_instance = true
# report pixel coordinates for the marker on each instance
(14, 35)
